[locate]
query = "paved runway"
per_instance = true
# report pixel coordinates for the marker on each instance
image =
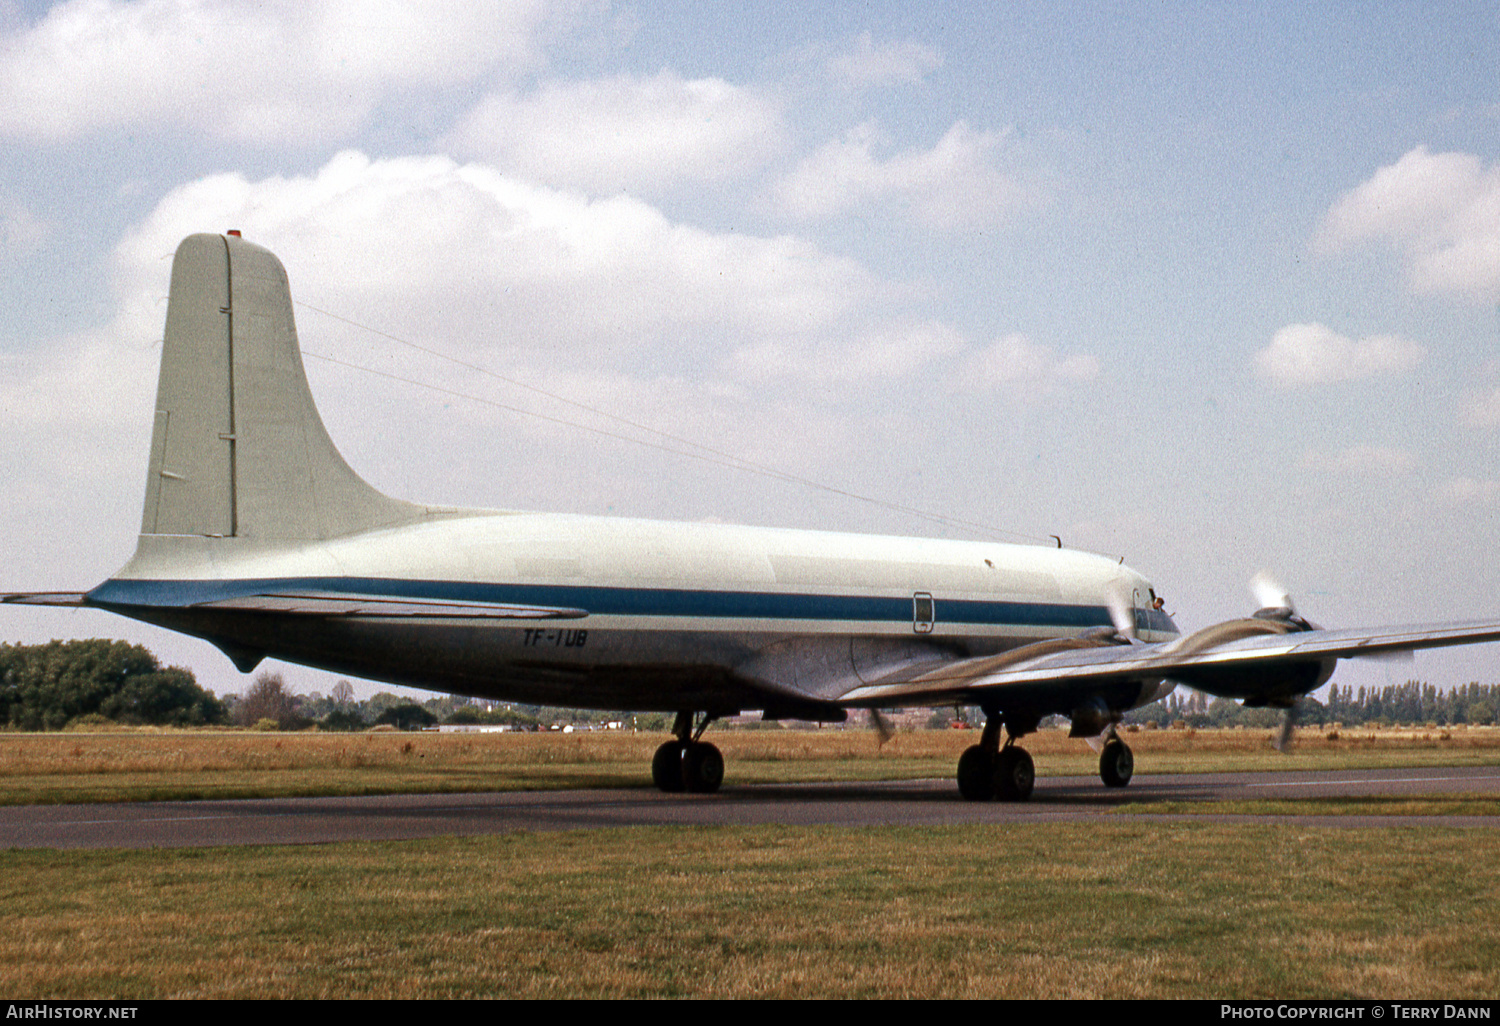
(907, 803)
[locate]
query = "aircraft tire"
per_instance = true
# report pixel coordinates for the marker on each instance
(976, 774)
(702, 768)
(1015, 775)
(1116, 764)
(666, 767)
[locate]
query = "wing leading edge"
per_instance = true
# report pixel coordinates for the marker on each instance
(1216, 667)
(45, 598)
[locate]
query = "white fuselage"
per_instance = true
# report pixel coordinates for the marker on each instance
(677, 613)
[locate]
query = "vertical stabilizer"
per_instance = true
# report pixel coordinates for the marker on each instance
(238, 449)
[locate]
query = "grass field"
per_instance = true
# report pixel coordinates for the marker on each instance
(147, 764)
(1119, 908)
(1108, 911)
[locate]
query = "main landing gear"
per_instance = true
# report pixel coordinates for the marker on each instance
(988, 770)
(1008, 774)
(688, 764)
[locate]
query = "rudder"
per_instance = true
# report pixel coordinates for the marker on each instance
(238, 449)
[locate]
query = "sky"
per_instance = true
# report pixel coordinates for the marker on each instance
(1211, 287)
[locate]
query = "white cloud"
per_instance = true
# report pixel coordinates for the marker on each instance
(1015, 361)
(608, 300)
(82, 378)
(77, 416)
(20, 230)
(952, 185)
(290, 70)
(461, 258)
(1360, 460)
(1482, 410)
(1468, 491)
(1442, 209)
(871, 64)
(624, 133)
(889, 352)
(1313, 354)
(896, 353)
(424, 245)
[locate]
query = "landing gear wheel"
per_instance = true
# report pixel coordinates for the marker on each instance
(702, 768)
(1116, 764)
(976, 774)
(1015, 775)
(666, 767)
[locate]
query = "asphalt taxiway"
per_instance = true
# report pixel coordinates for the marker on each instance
(904, 803)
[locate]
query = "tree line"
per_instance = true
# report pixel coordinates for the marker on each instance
(47, 687)
(62, 683)
(1415, 702)
(100, 681)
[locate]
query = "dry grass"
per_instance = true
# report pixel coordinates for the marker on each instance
(1380, 805)
(1120, 910)
(154, 764)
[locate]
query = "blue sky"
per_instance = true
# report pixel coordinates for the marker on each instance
(1213, 287)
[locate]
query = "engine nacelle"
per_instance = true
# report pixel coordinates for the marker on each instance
(1275, 683)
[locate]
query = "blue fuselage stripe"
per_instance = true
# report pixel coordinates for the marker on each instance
(599, 600)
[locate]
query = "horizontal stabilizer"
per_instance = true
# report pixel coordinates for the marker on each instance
(46, 598)
(382, 606)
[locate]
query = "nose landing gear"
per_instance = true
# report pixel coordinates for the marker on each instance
(1116, 763)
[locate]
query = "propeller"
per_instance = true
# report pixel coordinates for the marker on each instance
(1283, 742)
(1271, 595)
(883, 729)
(1276, 603)
(1098, 741)
(1121, 613)
(1274, 599)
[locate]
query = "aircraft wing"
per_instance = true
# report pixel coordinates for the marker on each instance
(340, 605)
(1200, 659)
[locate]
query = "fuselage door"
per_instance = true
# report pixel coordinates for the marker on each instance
(923, 612)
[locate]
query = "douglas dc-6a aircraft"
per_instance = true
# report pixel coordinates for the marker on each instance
(259, 537)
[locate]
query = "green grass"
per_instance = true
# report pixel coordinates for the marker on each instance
(1393, 805)
(1097, 911)
(1110, 909)
(163, 765)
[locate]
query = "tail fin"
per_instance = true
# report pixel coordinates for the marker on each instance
(238, 449)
